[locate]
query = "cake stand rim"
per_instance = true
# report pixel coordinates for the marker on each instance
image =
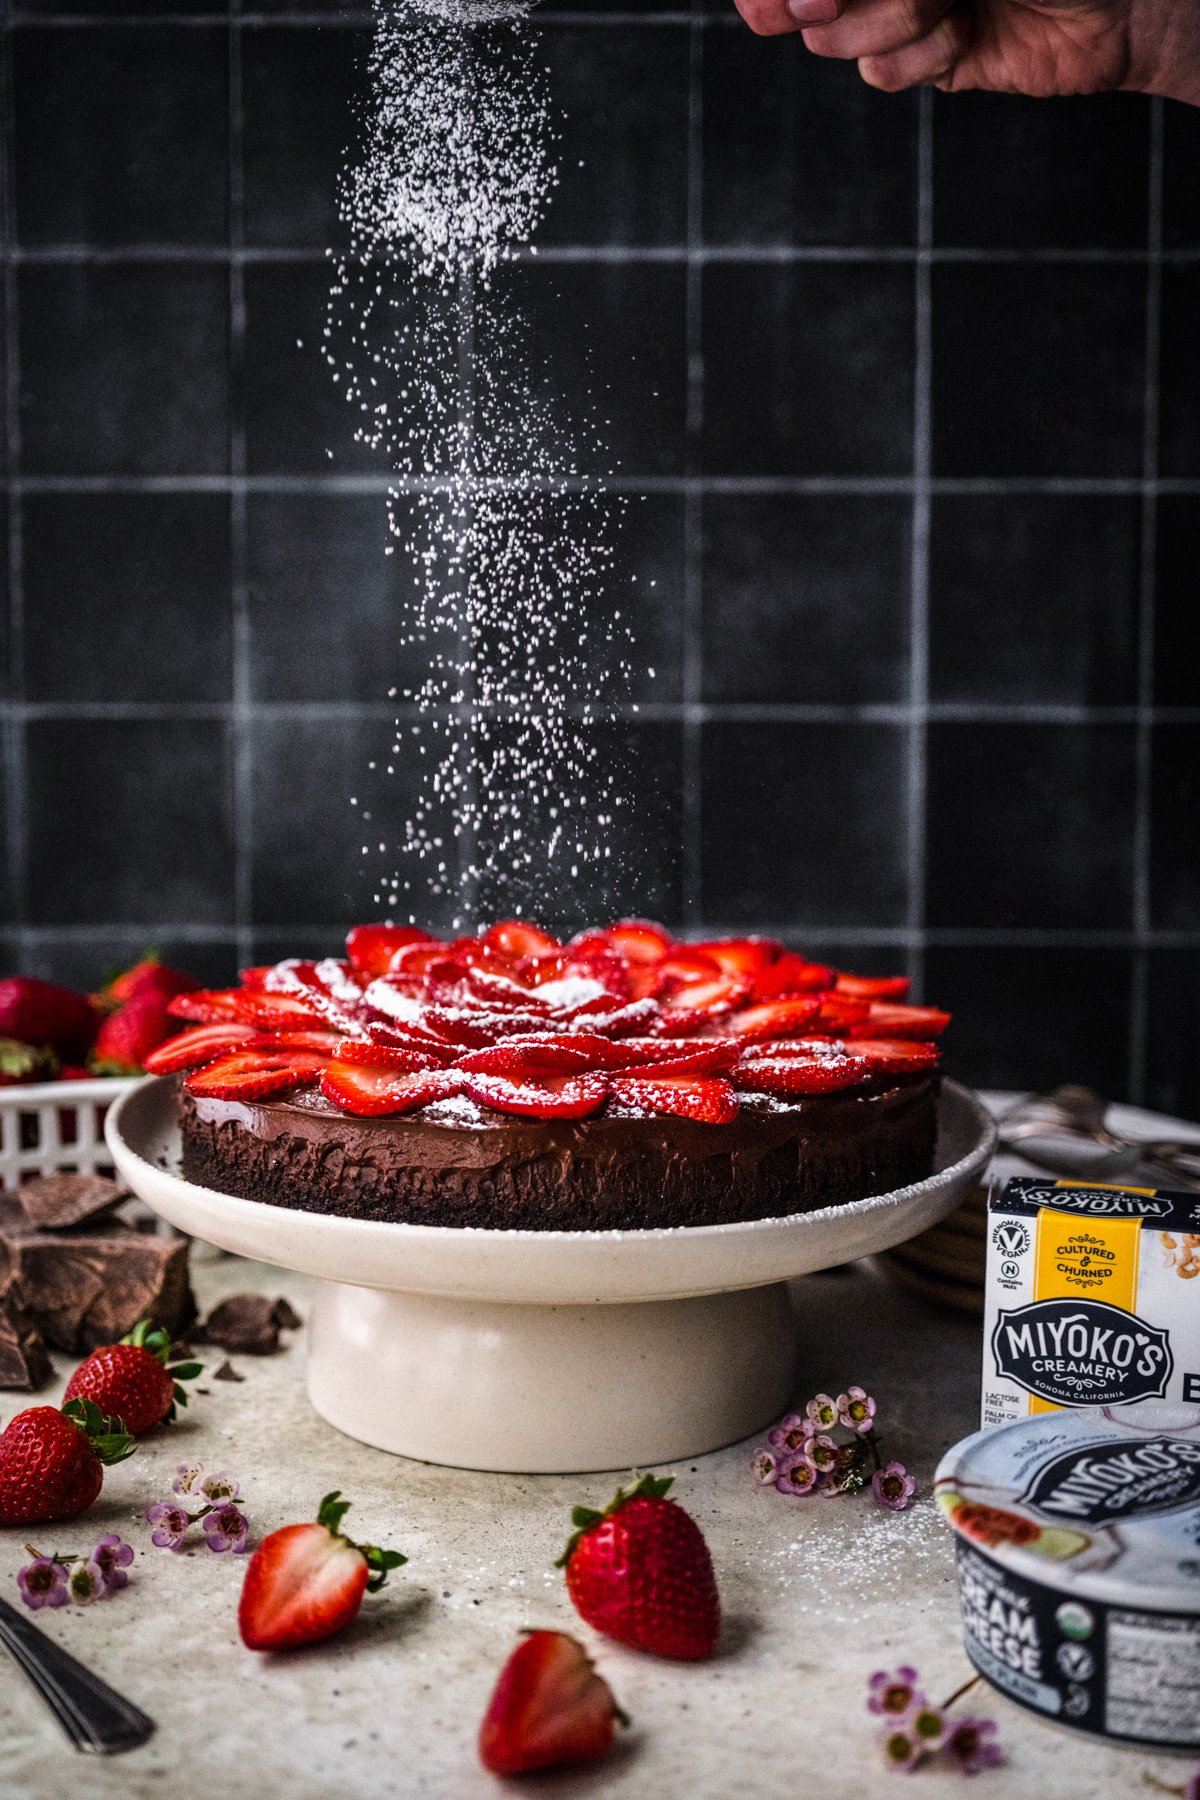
(554, 1267)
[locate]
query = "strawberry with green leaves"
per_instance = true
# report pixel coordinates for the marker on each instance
(305, 1582)
(132, 1380)
(52, 1461)
(548, 1708)
(640, 1572)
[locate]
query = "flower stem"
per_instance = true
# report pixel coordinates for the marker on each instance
(966, 1688)
(1160, 1787)
(869, 1439)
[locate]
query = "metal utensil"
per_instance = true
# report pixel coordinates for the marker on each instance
(94, 1716)
(1079, 1115)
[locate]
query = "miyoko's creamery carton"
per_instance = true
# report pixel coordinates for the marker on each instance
(1092, 1298)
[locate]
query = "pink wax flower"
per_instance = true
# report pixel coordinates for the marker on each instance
(823, 1412)
(112, 1556)
(894, 1693)
(821, 1453)
(43, 1582)
(764, 1466)
(85, 1583)
(790, 1434)
(893, 1486)
(902, 1748)
(225, 1528)
(969, 1745)
(856, 1410)
(170, 1524)
(796, 1476)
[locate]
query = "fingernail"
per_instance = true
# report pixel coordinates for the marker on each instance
(813, 12)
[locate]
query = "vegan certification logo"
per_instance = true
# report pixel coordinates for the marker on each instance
(1012, 1237)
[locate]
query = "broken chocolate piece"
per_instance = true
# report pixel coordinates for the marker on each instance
(90, 1284)
(244, 1322)
(24, 1364)
(285, 1315)
(54, 1202)
(227, 1372)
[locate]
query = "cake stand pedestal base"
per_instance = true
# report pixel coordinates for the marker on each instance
(549, 1390)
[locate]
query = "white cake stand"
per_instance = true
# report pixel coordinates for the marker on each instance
(546, 1352)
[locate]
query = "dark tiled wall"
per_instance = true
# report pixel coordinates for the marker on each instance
(909, 386)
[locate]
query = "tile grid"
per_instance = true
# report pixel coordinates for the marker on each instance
(918, 649)
(1144, 740)
(14, 730)
(241, 711)
(922, 486)
(692, 682)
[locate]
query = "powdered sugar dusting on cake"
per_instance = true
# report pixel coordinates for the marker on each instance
(512, 772)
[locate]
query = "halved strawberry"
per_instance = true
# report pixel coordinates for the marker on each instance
(773, 1018)
(838, 1012)
(518, 939)
(555, 1097)
(414, 958)
(371, 1092)
(706, 1098)
(800, 1075)
(747, 956)
(548, 1708)
(682, 1056)
(207, 1005)
(252, 1075)
(275, 1012)
(640, 940)
(475, 1027)
(528, 1057)
(191, 1048)
(792, 974)
(897, 1056)
(305, 1582)
(324, 1041)
(371, 948)
(888, 1021)
(400, 1059)
(872, 987)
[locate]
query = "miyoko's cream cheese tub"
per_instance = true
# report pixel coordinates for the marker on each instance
(1077, 1538)
(1092, 1298)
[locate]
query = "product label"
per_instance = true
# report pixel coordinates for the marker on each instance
(1081, 1353)
(1103, 1482)
(1092, 1298)
(1115, 1672)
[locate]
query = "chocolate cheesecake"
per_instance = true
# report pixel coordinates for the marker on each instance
(456, 1164)
(623, 1081)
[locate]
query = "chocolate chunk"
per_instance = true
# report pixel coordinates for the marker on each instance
(24, 1364)
(227, 1372)
(54, 1202)
(244, 1322)
(91, 1284)
(285, 1315)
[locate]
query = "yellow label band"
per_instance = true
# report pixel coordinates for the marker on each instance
(1096, 1258)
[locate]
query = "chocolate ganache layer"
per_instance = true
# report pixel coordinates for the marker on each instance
(455, 1163)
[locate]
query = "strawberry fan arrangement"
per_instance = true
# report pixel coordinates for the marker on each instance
(623, 1019)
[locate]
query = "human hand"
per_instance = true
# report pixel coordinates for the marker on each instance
(1038, 47)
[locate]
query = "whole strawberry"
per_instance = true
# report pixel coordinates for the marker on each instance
(52, 1461)
(305, 1582)
(549, 1707)
(36, 1012)
(640, 1572)
(150, 976)
(127, 1036)
(131, 1380)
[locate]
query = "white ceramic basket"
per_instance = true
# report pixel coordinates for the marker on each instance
(46, 1126)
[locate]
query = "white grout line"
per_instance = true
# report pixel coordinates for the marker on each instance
(692, 674)
(695, 712)
(284, 483)
(1144, 734)
(603, 255)
(242, 712)
(918, 690)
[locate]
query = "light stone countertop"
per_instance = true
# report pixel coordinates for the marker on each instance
(816, 1593)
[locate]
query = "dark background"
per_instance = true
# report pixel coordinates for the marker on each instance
(910, 384)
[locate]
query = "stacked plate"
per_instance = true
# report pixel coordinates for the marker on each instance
(946, 1263)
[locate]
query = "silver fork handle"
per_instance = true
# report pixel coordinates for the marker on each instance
(94, 1716)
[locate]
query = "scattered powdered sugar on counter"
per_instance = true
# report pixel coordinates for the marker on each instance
(843, 1559)
(504, 742)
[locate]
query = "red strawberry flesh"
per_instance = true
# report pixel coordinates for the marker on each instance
(549, 1708)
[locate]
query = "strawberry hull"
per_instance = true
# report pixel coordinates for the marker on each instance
(459, 1164)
